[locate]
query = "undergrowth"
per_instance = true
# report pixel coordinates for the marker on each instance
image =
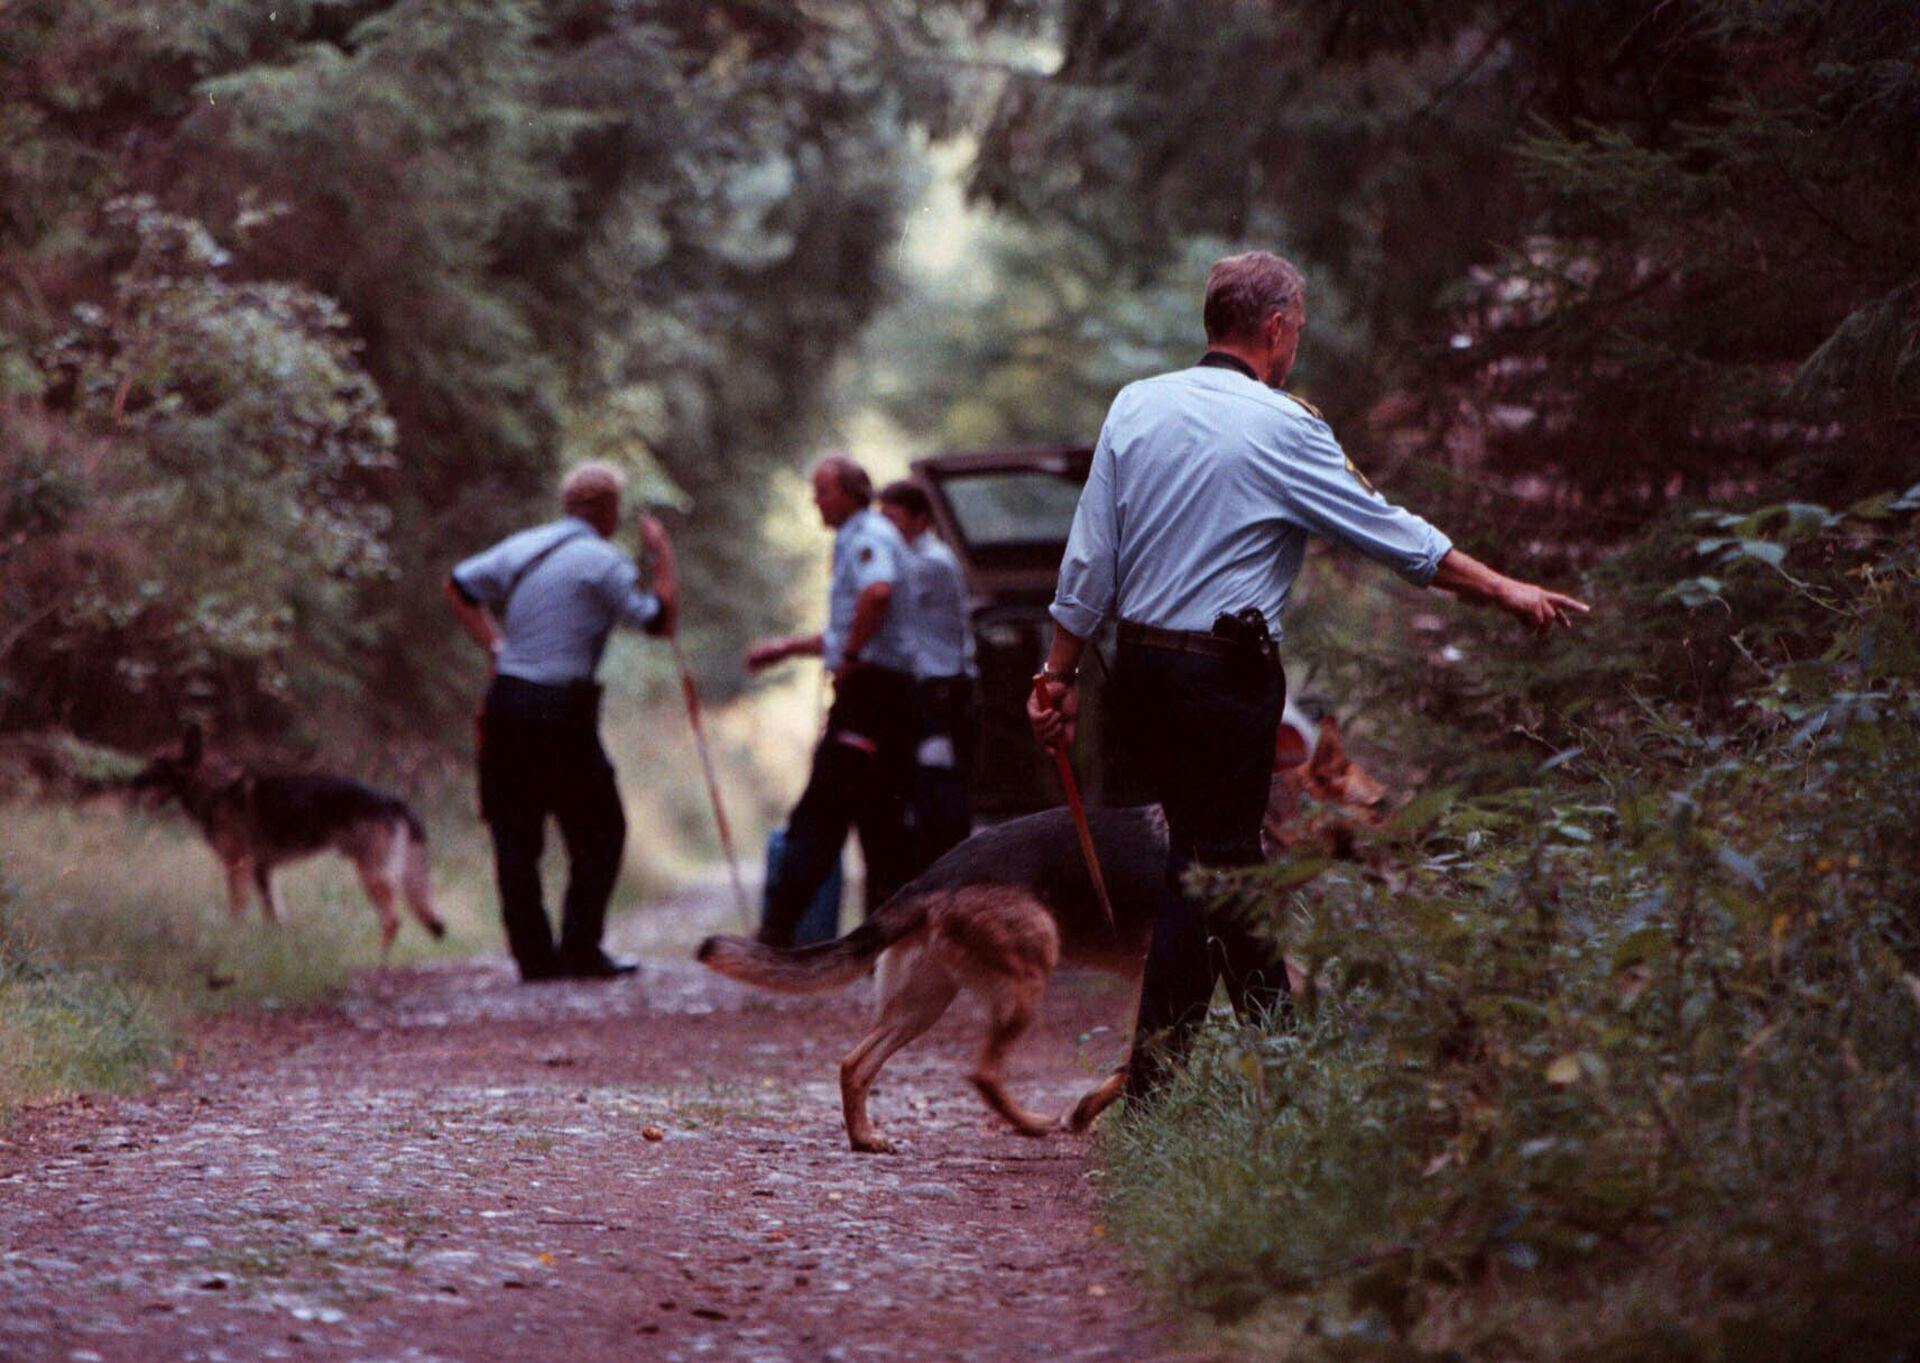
(114, 930)
(1621, 1062)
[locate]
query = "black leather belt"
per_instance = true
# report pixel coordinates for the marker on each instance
(1180, 641)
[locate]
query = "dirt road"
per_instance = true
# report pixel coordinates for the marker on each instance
(452, 1166)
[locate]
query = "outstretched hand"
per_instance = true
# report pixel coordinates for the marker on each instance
(1540, 609)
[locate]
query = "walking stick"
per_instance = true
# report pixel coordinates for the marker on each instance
(713, 786)
(1064, 765)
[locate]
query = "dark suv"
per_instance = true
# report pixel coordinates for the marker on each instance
(1006, 514)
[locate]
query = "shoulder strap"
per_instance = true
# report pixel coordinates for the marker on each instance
(513, 584)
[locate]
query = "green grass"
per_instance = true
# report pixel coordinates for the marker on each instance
(71, 1031)
(115, 934)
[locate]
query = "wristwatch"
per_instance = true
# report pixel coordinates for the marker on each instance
(1047, 674)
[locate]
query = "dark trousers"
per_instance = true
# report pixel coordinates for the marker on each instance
(1201, 731)
(859, 780)
(937, 798)
(540, 755)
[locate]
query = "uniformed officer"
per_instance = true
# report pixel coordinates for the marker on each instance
(542, 603)
(1204, 486)
(859, 775)
(941, 643)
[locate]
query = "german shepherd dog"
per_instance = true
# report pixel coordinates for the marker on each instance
(258, 820)
(999, 912)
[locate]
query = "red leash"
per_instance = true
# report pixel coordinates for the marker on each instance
(1064, 765)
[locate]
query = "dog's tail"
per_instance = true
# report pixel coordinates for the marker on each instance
(821, 967)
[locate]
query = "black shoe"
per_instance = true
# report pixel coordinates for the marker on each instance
(598, 966)
(542, 974)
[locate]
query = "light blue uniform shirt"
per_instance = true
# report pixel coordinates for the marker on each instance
(867, 549)
(936, 620)
(1204, 487)
(563, 608)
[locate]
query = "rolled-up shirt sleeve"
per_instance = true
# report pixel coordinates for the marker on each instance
(483, 578)
(1089, 568)
(1322, 491)
(632, 604)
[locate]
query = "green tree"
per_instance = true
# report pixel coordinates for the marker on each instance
(554, 228)
(1597, 241)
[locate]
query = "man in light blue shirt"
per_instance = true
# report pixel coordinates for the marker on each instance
(941, 641)
(860, 766)
(1204, 487)
(541, 603)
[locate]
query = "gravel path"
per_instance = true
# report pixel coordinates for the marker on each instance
(452, 1166)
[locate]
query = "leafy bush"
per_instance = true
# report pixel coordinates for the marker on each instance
(1622, 1061)
(203, 542)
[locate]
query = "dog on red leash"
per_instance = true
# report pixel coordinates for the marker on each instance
(999, 912)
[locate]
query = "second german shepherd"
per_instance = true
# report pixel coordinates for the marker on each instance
(997, 913)
(258, 820)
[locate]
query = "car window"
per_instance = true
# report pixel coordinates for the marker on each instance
(1007, 508)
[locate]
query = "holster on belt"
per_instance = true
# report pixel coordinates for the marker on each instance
(1257, 650)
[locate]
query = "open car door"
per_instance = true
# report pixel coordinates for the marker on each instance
(1006, 514)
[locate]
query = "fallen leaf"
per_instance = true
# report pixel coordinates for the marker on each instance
(1564, 1070)
(652, 1133)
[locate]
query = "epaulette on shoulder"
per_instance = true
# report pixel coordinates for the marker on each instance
(1311, 410)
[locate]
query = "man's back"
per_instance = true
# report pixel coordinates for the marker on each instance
(1203, 490)
(937, 622)
(560, 587)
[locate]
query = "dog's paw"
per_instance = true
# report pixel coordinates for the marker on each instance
(1089, 1108)
(872, 1144)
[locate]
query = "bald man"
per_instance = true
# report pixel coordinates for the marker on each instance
(541, 604)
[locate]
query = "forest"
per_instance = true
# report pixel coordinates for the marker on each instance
(1612, 1049)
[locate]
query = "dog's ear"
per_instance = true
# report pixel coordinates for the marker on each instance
(1289, 748)
(1328, 754)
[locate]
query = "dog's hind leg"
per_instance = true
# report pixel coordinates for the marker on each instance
(921, 994)
(417, 883)
(375, 858)
(1014, 1004)
(263, 881)
(240, 880)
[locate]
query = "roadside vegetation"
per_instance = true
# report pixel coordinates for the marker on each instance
(1612, 1049)
(115, 936)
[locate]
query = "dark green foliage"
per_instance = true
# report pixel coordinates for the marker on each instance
(554, 229)
(222, 503)
(1595, 242)
(1641, 1031)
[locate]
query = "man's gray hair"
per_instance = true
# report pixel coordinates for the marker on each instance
(1244, 290)
(591, 484)
(852, 478)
